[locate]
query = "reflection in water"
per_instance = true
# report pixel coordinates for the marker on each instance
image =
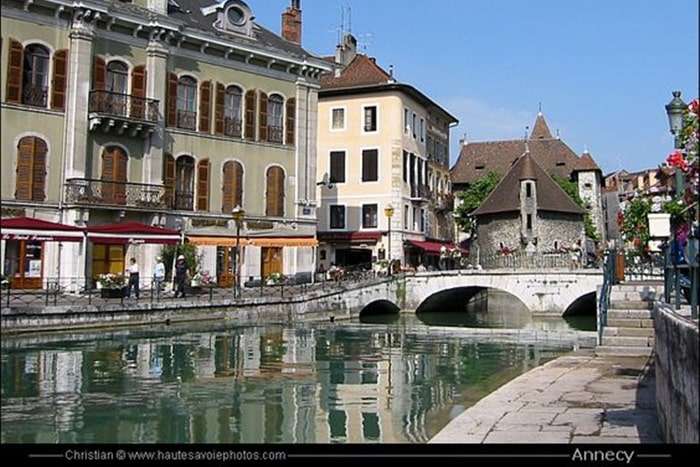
(343, 383)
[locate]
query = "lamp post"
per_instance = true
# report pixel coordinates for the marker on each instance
(389, 213)
(238, 216)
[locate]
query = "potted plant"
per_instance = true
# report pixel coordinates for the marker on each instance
(111, 285)
(276, 278)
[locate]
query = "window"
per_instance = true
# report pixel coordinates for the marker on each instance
(528, 190)
(184, 183)
(529, 222)
(415, 218)
(422, 129)
(275, 116)
(406, 220)
(30, 181)
(186, 103)
(369, 216)
(405, 167)
(406, 128)
(370, 119)
(203, 171)
(35, 77)
(338, 119)
(413, 125)
(337, 217)
(370, 165)
(422, 220)
(274, 194)
(117, 77)
(337, 167)
(114, 175)
(233, 100)
(232, 195)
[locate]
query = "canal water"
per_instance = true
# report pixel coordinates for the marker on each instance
(321, 383)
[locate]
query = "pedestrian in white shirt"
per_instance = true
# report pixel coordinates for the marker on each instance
(159, 274)
(133, 271)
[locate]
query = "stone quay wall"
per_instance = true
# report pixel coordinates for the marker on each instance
(676, 375)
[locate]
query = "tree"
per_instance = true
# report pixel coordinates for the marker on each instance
(571, 189)
(634, 224)
(471, 198)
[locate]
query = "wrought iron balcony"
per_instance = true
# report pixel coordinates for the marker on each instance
(445, 203)
(81, 191)
(187, 120)
(275, 134)
(122, 113)
(420, 192)
(232, 127)
(183, 201)
(35, 95)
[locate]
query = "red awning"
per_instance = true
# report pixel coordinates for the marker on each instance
(132, 232)
(27, 228)
(431, 248)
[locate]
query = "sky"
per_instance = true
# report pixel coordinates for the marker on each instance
(602, 70)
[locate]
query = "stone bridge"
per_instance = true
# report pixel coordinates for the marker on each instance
(542, 292)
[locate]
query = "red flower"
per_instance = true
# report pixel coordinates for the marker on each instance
(695, 107)
(620, 219)
(676, 159)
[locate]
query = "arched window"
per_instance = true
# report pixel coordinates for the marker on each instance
(35, 76)
(30, 182)
(184, 183)
(274, 192)
(114, 176)
(275, 118)
(232, 111)
(232, 187)
(117, 77)
(187, 103)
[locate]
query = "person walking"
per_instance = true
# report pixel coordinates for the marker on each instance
(181, 273)
(159, 275)
(133, 271)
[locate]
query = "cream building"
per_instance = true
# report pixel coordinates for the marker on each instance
(381, 144)
(167, 113)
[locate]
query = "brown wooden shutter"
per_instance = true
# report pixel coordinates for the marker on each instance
(23, 176)
(227, 189)
(171, 99)
(205, 107)
(263, 117)
(169, 179)
(291, 121)
(60, 79)
(219, 109)
(275, 192)
(238, 184)
(13, 92)
(138, 91)
(99, 74)
(250, 114)
(39, 170)
(203, 185)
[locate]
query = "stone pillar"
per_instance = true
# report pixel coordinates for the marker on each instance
(306, 139)
(78, 94)
(157, 69)
(158, 6)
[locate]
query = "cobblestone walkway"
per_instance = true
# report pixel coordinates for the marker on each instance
(578, 398)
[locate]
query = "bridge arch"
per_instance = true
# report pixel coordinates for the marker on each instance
(380, 307)
(456, 297)
(582, 305)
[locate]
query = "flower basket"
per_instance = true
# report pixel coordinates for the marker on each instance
(111, 285)
(275, 279)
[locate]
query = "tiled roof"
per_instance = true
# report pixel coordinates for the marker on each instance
(552, 154)
(506, 196)
(362, 71)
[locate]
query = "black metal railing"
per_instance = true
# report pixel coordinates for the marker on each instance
(90, 192)
(420, 192)
(606, 289)
(183, 201)
(123, 105)
(233, 127)
(187, 120)
(445, 203)
(680, 280)
(275, 134)
(35, 95)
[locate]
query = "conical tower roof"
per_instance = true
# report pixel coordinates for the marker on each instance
(541, 129)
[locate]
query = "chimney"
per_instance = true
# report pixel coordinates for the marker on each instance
(291, 22)
(347, 51)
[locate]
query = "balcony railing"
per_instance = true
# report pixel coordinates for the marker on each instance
(275, 134)
(232, 127)
(123, 105)
(106, 193)
(420, 192)
(445, 202)
(187, 120)
(179, 200)
(35, 95)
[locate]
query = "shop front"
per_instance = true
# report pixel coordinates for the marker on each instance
(350, 249)
(432, 254)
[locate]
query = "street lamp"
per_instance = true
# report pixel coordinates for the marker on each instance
(675, 110)
(238, 216)
(389, 213)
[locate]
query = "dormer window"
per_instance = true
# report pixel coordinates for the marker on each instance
(232, 16)
(235, 16)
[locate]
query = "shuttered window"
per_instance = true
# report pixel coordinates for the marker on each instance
(35, 76)
(337, 174)
(405, 166)
(203, 171)
(274, 193)
(370, 163)
(232, 187)
(99, 74)
(114, 175)
(60, 80)
(30, 181)
(291, 122)
(138, 91)
(262, 118)
(205, 106)
(171, 100)
(187, 103)
(169, 179)
(13, 90)
(219, 97)
(250, 112)
(117, 77)
(275, 119)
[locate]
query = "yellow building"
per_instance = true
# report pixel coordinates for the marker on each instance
(381, 144)
(165, 113)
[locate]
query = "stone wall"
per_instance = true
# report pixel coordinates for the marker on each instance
(492, 230)
(563, 228)
(676, 375)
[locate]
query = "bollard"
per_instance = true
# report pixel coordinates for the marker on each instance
(211, 294)
(47, 294)
(89, 291)
(282, 289)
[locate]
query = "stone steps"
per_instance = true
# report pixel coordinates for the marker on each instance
(631, 323)
(615, 351)
(629, 314)
(623, 295)
(631, 305)
(626, 341)
(628, 332)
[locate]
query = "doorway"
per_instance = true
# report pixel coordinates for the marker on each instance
(225, 273)
(107, 259)
(24, 263)
(271, 261)
(353, 257)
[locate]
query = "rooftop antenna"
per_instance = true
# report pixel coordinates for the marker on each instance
(540, 109)
(558, 137)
